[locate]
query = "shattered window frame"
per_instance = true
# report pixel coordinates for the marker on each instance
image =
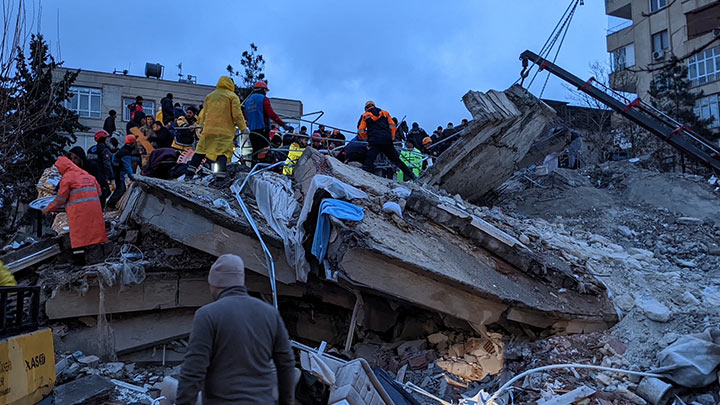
(85, 101)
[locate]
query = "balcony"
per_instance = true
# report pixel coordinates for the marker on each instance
(619, 8)
(623, 80)
(620, 38)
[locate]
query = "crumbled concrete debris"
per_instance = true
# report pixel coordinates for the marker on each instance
(653, 309)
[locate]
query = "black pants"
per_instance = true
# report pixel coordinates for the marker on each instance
(119, 188)
(221, 162)
(105, 189)
(259, 139)
(393, 156)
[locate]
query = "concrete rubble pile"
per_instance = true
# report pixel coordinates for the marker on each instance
(427, 287)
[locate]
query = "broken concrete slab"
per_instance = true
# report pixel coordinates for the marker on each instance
(90, 389)
(178, 210)
(504, 127)
(130, 334)
(35, 253)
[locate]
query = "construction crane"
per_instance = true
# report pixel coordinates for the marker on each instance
(645, 115)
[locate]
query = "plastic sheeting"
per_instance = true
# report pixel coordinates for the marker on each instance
(276, 201)
(693, 360)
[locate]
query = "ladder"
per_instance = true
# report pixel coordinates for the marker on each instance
(637, 111)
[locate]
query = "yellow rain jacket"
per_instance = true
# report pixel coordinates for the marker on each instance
(220, 115)
(293, 157)
(6, 277)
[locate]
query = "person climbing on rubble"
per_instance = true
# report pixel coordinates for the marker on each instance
(416, 135)
(378, 129)
(234, 343)
(161, 136)
(412, 158)
(123, 162)
(259, 112)
(296, 150)
(79, 193)
(220, 115)
(355, 151)
(99, 158)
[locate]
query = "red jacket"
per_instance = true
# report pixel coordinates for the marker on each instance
(80, 193)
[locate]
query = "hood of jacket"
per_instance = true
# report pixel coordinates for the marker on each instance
(226, 83)
(64, 164)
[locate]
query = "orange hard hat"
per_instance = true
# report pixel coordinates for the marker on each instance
(427, 140)
(130, 139)
(261, 85)
(369, 103)
(101, 134)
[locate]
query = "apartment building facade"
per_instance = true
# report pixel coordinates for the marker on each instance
(650, 32)
(96, 93)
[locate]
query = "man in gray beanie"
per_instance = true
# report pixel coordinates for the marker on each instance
(232, 344)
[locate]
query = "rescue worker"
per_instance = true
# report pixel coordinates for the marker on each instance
(239, 350)
(296, 150)
(339, 139)
(167, 109)
(376, 126)
(77, 155)
(79, 193)
(161, 138)
(355, 151)
(123, 162)
(135, 107)
(259, 111)
(99, 158)
(109, 124)
(412, 158)
(417, 135)
(220, 115)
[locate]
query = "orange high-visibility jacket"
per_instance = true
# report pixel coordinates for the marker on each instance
(80, 193)
(376, 126)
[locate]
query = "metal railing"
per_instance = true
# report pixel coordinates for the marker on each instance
(19, 310)
(237, 190)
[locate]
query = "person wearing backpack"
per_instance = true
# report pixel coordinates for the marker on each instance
(99, 164)
(135, 107)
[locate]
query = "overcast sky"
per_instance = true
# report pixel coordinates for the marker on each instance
(414, 58)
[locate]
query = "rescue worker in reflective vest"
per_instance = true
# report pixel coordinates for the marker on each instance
(220, 115)
(412, 157)
(377, 127)
(99, 159)
(79, 193)
(259, 111)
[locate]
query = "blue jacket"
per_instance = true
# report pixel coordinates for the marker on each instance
(255, 111)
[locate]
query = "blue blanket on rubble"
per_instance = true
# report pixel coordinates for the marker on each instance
(339, 209)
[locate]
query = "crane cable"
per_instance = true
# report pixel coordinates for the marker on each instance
(560, 31)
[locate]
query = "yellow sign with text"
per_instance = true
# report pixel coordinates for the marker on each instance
(27, 367)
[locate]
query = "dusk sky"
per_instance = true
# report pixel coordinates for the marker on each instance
(414, 58)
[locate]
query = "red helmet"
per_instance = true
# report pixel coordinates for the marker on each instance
(261, 85)
(130, 139)
(101, 134)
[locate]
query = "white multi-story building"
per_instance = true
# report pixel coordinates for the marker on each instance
(647, 33)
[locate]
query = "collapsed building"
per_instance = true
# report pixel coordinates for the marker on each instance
(420, 258)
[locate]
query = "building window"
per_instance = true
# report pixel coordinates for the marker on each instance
(148, 108)
(707, 108)
(656, 5)
(622, 58)
(704, 67)
(85, 102)
(660, 41)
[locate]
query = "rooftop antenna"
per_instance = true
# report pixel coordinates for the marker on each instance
(179, 66)
(57, 26)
